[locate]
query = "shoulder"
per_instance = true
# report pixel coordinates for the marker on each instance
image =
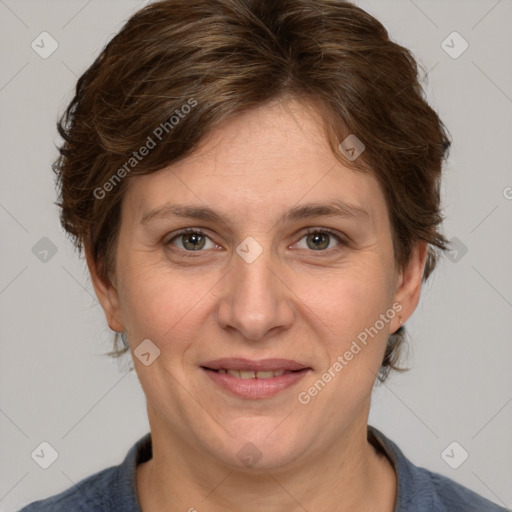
(455, 497)
(112, 489)
(89, 494)
(421, 490)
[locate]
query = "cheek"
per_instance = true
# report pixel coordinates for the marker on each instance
(357, 336)
(351, 299)
(160, 305)
(355, 339)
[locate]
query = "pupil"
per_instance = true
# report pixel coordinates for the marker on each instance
(317, 238)
(196, 242)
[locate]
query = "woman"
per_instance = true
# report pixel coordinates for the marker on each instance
(255, 186)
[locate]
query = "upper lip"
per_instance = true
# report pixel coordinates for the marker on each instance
(238, 363)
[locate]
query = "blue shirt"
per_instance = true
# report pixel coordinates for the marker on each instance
(418, 489)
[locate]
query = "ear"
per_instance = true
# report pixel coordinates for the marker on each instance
(408, 286)
(106, 293)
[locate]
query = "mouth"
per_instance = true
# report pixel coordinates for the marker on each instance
(254, 379)
(250, 374)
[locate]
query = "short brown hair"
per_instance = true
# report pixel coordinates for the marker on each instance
(222, 57)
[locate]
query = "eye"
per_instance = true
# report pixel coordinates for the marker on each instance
(191, 240)
(320, 239)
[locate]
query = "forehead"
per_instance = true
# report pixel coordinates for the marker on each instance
(264, 160)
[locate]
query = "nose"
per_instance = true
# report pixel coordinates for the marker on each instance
(255, 298)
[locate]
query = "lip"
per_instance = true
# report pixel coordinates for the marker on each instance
(255, 388)
(239, 363)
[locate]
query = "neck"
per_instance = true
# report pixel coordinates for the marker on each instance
(347, 476)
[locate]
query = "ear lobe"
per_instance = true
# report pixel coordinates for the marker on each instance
(409, 283)
(106, 293)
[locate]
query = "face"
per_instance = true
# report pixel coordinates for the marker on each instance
(261, 275)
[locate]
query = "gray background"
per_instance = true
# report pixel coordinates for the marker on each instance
(56, 385)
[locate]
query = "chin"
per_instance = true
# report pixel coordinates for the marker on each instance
(261, 444)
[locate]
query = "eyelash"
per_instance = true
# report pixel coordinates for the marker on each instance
(309, 231)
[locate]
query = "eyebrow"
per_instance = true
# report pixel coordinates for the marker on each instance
(305, 211)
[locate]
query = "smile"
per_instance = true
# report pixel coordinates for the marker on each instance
(254, 379)
(248, 374)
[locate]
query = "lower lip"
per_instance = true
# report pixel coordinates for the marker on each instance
(255, 388)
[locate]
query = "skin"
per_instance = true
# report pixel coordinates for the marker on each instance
(292, 302)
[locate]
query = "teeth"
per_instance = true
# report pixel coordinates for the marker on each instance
(245, 374)
(264, 375)
(269, 375)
